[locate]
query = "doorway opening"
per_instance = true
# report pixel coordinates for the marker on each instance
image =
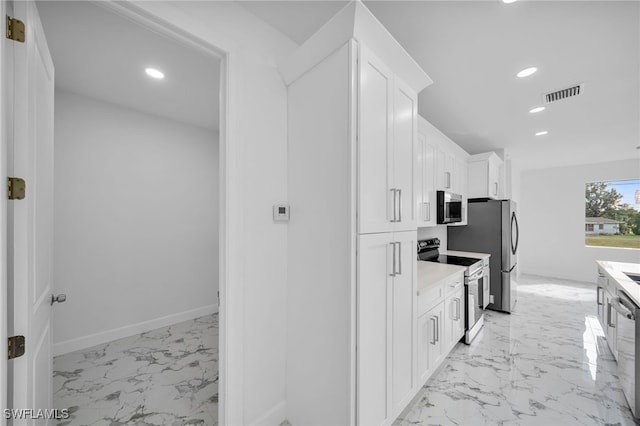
(137, 181)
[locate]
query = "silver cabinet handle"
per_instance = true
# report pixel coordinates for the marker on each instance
(399, 259)
(427, 211)
(448, 178)
(457, 300)
(433, 335)
(395, 200)
(393, 260)
(399, 205)
(59, 298)
(437, 328)
(495, 188)
(599, 301)
(609, 316)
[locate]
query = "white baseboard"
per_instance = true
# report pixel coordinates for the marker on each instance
(273, 417)
(84, 342)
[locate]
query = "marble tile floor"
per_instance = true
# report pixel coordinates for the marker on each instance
(545, 364)
(165, 377)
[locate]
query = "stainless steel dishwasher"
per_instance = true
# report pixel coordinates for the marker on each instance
(627, 341)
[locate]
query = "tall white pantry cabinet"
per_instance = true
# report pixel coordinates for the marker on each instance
(352, 152)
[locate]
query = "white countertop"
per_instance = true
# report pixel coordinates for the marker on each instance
(616, 270)
(432, 273)
(466, 254)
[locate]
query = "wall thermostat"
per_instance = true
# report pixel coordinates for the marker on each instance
(281, 213)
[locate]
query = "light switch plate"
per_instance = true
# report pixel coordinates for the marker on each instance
(281, 213)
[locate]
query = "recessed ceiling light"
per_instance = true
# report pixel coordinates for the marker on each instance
(152, 72)
(527, 72)
(536, 109)
(508, 1)
(542, 133)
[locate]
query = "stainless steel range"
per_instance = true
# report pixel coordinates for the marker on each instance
(473, 283)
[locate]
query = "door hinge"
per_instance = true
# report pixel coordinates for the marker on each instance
(15, 29)
(16, 347)
(16, 188)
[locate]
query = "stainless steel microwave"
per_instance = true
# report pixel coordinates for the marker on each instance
(449, 207)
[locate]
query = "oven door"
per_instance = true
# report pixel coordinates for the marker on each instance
(473, 301)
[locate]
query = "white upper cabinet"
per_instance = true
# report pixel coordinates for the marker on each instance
(386, 148)
(425, 176)
(486, 176)
(441, 165)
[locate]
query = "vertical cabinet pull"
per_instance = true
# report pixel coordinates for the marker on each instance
(609, 316)
(447, 176)
(437, 329)
(457, 300)
(399, 205)
(394, 205)
(396, 259)
(433, 334)
(393, 260)
(495, 188)
(599, 300)
(426, 211)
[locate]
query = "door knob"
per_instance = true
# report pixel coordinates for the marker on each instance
(59, 298)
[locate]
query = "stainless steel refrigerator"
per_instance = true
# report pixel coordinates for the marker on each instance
(492, 227)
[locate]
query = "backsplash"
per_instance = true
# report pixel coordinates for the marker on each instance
(439, 231)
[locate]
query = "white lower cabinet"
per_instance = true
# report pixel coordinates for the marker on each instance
(607, 315)
(386, 325)
(454, 316)
(430, 349)
(440, 323)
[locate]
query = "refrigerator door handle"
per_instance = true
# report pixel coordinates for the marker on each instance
(514, 223)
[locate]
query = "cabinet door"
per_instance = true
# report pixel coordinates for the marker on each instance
(494, 183)
(455, 317)
(377, 197)
(436, 328)
(375, 267)
(403, 314)
(426, 173)
(405, 127)
(611, 321)
(600, 304)
(444, 169)
(424, 341)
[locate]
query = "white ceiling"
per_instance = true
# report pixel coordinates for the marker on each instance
(103, 55)
(473, 49)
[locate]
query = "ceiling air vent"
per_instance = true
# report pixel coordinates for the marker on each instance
(559, 95)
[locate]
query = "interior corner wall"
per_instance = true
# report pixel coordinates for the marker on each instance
(135, 221)
(552, 220)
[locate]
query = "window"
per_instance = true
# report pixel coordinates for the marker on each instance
(612, 214)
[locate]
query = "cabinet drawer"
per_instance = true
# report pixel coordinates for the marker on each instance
(430, 297)
(454, 285)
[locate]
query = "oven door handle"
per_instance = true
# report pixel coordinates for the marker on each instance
(621, 309)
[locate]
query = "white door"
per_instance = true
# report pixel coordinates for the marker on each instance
(377, 197)
(403, 317)
(376, 266)
(30, 221)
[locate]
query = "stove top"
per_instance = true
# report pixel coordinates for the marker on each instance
(456, 260)
(428, 251)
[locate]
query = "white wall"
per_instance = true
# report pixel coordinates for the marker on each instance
(135, 221)
(552, 220)
(256, 178)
